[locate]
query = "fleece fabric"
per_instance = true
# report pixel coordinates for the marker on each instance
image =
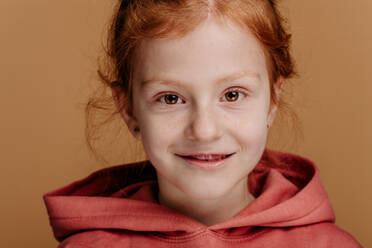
(118, 207)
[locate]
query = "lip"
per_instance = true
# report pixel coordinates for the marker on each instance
(206, 165)
(200, 153)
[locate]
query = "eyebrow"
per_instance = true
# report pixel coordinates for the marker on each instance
(224, 79)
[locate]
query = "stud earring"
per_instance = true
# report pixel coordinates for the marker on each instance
(136, 129)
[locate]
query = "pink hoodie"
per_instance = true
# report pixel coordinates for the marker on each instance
(118, 207)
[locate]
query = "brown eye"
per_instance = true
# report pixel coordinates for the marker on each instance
(170, 99)
(232, 96)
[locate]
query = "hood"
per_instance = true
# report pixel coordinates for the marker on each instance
(287, 189)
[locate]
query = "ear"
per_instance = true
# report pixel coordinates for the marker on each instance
(128, 116)
(274, 107)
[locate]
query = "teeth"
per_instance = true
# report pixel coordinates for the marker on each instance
(209, 157)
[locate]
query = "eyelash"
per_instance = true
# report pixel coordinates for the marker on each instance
(242, 92)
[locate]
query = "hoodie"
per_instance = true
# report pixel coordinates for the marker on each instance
(118, 207)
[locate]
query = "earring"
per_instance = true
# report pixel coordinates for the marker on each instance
(268, 126)
(136, 129)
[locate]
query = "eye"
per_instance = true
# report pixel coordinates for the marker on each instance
(233, 95)
(170, 99)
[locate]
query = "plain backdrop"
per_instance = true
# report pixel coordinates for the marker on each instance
(48, 53)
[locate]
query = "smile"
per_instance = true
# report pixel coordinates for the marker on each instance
(206, 161)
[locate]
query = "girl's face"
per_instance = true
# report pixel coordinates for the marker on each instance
(207, 92)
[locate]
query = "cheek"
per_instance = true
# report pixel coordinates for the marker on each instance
(252, 133)
(250, 126)
(252, 117)
(159, 136)
(159, 132)
(155, 143)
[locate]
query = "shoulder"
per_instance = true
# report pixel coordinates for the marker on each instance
(324, 234)
(109, 238)
(339, 236)
(93, 239)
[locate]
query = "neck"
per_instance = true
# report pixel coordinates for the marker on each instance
(208, 211)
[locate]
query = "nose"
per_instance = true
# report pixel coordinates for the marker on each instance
(204, 125)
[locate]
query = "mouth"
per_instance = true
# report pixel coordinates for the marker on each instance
(206, 157)
(206, 161)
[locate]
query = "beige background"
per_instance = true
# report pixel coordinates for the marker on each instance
(48, 55)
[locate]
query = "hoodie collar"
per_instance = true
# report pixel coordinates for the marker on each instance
(287, 188)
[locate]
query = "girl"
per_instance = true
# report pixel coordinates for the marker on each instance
(198, 82)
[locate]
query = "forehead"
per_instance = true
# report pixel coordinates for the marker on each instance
(209, 53)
